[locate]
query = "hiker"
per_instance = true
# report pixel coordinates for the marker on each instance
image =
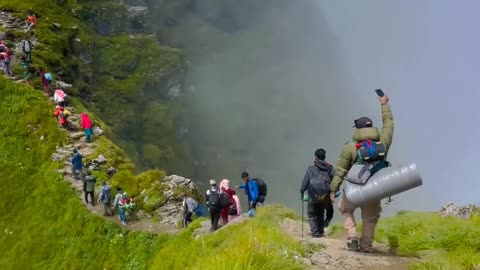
(31, 21)
(316, 182)
(27, 47)
(62, 115)
(104, 198)
(123, 202)
(224, 187)
(28, 74)
(256, 191)
(364, 133)
(46, 79)
(77, 165)
(5, 58)
(86, 124)
(213, 201)
(189, 207)
(60, 97)
(236, 210)
(90, 182)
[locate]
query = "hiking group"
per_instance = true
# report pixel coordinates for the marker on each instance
(322, 182)
(223, 203)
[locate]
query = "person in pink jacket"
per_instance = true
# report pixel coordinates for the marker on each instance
(87, 126)
(235, 209)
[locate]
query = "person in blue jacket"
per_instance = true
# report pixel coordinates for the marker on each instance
(251, 189)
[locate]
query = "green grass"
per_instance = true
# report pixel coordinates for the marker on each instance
(44, 225)
(445, 243)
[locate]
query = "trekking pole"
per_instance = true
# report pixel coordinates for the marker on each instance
(303, 202)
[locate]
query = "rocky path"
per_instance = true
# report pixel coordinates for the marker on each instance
(334, 255)
(87, 150)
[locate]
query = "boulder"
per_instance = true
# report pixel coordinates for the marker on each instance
(452, 210)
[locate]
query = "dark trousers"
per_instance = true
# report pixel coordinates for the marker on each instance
(316, 216)
(91, 196)
(107, 211)
(215, 217)
(187, 219)
(329, 214)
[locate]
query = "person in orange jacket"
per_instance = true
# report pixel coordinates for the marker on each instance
(62, 115)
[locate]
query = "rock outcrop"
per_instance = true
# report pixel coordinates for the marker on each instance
(452, 210)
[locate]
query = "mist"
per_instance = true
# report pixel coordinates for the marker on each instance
(293, 76)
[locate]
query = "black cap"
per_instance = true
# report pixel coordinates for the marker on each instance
(320, 154)
(363, 122)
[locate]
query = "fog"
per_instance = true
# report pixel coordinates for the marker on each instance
(297, 73)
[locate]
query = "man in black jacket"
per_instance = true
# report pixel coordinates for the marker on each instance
(317, 183)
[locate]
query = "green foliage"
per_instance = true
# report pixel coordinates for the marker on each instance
(455, 241)
(256, 244)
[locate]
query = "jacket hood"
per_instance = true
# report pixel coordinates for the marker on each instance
(322, 165)
(363, 134)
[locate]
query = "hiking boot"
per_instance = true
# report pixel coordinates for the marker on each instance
(352, 245)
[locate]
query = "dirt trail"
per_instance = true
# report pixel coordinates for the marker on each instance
(334, 255)
(77, 141)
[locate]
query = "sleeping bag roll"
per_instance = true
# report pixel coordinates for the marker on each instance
(383, 184)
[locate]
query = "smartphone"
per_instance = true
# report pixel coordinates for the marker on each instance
(379, 92)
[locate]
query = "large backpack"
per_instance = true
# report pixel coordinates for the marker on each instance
(27, 46)
(262, 187)
(371, 158)
(320, 185)
(225, 200)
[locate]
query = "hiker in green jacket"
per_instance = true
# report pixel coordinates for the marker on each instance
(370, 212)
(90, 182)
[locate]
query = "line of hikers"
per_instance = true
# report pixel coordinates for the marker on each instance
(223, 203)
(321, 183)
(122, 202)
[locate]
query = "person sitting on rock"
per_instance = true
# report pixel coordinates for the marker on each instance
(189, 207)
(31, 21)
(90, 182)
(86, 124)
(105, 198)
(77, 165)
(224, 187)
(60, 97)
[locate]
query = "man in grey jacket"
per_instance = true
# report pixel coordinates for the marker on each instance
(317, 183)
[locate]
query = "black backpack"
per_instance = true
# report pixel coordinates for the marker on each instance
(214, 198)
(320, 185)
(233, 211)
(262, 187)
(225, 200)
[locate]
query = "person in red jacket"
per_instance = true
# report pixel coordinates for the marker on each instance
(62, 116)
(87, 126)
(224, 187)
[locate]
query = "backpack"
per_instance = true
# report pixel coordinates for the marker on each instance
(371, 158)
(233, 211)
(27, 46)
(225, 200)
(125, 200)
(106, 193)
(214, 198)
(320, 185)
(262, 187)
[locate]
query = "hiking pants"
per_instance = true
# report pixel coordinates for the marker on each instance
(187, 219)
(370, 215)
(107, 211)
(91, 193)
(214, 217)
(88, 134)
(329, 214)
(121, 214)
(316, 216)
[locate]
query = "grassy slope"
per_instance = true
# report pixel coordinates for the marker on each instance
(446, 243)
(43, 224)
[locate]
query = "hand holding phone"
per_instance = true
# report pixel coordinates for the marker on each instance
(380, 92)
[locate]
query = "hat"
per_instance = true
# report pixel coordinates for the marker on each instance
(363, 122)
(213, 182)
